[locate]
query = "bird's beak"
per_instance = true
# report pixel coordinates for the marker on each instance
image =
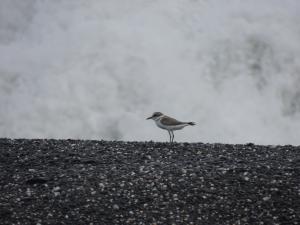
(149, 118)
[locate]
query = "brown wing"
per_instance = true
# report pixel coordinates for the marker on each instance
(170, 121)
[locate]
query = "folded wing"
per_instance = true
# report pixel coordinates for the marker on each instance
(170, 121)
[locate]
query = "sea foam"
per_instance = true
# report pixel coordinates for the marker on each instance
(96, 69)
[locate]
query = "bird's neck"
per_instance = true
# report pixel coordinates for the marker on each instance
(158, 118)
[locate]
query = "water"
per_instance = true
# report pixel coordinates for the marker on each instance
(96, 69)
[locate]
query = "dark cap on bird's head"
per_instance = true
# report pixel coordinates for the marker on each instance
(155, 115)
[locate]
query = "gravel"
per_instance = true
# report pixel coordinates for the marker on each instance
(110, 182)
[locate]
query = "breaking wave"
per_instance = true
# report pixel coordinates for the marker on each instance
(96, 69)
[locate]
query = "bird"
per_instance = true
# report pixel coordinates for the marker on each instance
(168, 123)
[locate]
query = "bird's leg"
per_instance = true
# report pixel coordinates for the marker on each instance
(169, 135)
(172, 136)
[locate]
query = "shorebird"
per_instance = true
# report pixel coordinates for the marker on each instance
(168, 123)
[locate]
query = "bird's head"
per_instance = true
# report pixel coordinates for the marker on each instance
(155, 115)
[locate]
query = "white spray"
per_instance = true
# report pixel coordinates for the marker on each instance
(96, 69)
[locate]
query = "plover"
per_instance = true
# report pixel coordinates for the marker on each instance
(168, 123)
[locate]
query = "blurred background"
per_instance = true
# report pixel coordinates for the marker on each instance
(94, 69)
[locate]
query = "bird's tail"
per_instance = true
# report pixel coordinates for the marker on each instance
(191, 123)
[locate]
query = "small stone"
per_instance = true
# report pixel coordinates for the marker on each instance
(56, 188)
(28, 192)
(116, 207)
